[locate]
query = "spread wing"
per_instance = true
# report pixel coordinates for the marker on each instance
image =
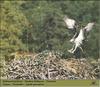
(70, 23)
(89, 27)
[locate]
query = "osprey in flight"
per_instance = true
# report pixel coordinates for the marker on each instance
(83, 33)
(80, 36)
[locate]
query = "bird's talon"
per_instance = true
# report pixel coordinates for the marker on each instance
(69, 51)
(72, 52)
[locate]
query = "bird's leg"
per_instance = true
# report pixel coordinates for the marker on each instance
(73, 38)
(71, 49)
(81, 49)
(74, 49)
(82, 52)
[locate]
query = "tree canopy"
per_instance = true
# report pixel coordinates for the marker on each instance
(38, 25)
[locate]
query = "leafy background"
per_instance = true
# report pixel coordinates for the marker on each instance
(38, 25)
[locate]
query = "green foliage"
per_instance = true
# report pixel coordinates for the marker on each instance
(12, 21)
(36, 26)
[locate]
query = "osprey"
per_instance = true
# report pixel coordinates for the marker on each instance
(78, 41)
